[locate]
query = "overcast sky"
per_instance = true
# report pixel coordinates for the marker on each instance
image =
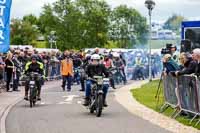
(163, 9)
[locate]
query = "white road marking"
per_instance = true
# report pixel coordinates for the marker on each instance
(42, 103)
(79, 102)
(60, 103)
(70, 98)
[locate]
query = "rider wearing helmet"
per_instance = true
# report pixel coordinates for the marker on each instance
(34, 66)
(109, 65)
(118, 63)
(95, 68)
(86, 62)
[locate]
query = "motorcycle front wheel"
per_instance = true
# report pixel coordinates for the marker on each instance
(99, 105)
(32, 97)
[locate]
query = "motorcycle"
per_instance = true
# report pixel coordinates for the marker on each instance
(96, 100)
(138, 73)
(33, 78)
(118, 75)
(112, 72)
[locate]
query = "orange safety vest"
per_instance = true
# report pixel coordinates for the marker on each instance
(66, 67)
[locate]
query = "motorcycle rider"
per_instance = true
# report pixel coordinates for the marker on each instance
(109, 65)
(77, 62)
(95, 68)
(118, 63)
(138, 67)
(85, 63)
(34, 66)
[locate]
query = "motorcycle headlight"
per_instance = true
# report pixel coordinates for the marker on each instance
(106, 81)
(32, 82)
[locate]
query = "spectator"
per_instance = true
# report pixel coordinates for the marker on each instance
(9, 70)
(181, 60)
(169, 64)
(17, 71)
(53, 63)
(188, 64)
(67, 72)
(196, 57)
(1, 67)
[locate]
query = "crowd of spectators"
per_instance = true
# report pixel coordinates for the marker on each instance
(189, 63)
(12, 65)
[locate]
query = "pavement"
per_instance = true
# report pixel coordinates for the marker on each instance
(63, 112)
(9, 99)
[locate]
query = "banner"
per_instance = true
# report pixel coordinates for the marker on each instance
(169, 83)
(5, 6)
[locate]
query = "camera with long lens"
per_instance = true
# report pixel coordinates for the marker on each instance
(167, 49)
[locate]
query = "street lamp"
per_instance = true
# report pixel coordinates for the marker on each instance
(150, 4)
(52, 39)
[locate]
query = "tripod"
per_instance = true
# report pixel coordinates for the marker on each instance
(157, 96)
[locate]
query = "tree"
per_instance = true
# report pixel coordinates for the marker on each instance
(32, 19)
(47, 20)
(22, 32)
(94, 22)
(78, 24)
(83, 23)
(174, 22)
(127, 26)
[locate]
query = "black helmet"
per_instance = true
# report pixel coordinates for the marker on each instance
(34, 57)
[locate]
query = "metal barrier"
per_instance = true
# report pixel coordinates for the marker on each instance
(187, 97)
(169, 85)
(53, 72)
(198, 96)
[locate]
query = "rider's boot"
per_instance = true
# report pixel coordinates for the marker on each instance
(105, 104)
(38, 95)
(86, 101)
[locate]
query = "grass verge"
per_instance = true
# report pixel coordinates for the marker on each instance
(146, 96)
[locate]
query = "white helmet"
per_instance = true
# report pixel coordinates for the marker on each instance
(95, 57)
(116, 55)
(138, 55)
(87, 55)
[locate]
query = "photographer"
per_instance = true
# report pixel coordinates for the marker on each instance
(174, 53)
(169, 64)
(170, 49)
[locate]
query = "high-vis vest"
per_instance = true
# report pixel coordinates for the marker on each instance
(66, 67)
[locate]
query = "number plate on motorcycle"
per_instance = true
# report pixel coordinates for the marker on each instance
(100, 82)
(32, 82)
